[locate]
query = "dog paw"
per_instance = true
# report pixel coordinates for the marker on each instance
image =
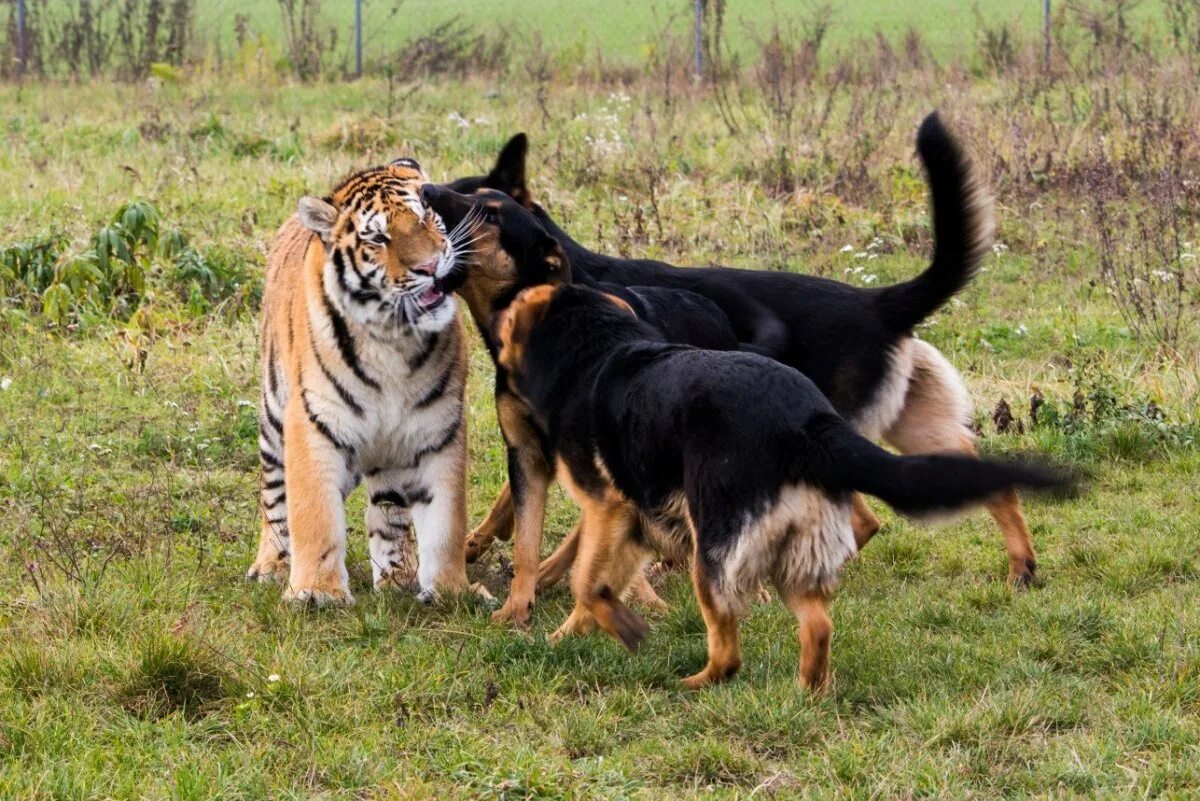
(514, 612)
(427, 597)
(1023, 574)
(477, 545)
(712, 674)
(482, 593)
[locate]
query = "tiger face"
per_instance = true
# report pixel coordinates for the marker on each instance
(385, 252)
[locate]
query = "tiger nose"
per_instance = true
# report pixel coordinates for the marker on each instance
(428, 268)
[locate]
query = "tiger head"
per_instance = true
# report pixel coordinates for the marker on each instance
(384, 250)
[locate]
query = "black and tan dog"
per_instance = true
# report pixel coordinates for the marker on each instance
(854, 343)
(733, 457)
(507, 250)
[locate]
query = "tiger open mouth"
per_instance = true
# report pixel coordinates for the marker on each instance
(430, 298)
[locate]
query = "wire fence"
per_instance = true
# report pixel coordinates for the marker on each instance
(348, 37)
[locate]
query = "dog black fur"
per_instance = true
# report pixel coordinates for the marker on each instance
(838, 335)
(730, 433)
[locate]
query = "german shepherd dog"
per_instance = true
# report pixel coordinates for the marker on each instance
(854, 343)
(506, 250)
(733, 457)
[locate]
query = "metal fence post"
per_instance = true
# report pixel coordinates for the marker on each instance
(358, 38)
(22, 52)
(699, 39)
(1046, 35)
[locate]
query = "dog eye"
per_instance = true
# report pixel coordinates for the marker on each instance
(491, 215)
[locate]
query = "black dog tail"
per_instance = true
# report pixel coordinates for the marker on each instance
(962, 229)
(919, 485)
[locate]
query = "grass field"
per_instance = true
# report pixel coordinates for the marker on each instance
(138, 663)
(626, 30)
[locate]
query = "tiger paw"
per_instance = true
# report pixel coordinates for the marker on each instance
(269, 570)
(402, 580)
(319, 597)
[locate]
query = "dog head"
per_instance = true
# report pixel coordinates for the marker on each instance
(508, 176)
(501, 247)
(520, 322)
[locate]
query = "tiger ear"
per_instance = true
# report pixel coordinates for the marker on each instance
(317, 215)
(410, 164)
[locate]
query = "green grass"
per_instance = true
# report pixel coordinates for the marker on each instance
(627, 30)
(137, 663)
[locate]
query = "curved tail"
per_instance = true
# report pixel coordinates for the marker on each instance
(962, 229)
(918, 485)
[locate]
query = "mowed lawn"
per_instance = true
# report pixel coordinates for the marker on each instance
(137, 662)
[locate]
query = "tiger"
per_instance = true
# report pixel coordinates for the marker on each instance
(364, 368)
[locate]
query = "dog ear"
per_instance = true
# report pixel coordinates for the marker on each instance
(317, 215)
(509, 173)
(516, 324)
(558, 269)
(621, 304)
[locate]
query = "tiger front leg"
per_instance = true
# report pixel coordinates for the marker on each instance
(439, 507)
(317, 479)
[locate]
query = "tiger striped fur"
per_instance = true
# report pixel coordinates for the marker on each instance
(363, 372)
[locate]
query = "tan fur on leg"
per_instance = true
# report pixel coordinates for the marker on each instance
(816, 633)
(498, 524)
(724, 650)
(862, 520)
(607, 562)
(934, 419)
(555, 566)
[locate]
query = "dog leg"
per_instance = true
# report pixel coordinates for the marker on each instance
(932, 420)
(642, 592)
(530, 477)
(554, 567)
(497, 525)
(579, 622)
(1022, 561)
(608, 560)
(724, 650)
(863, 520)
(816, 632)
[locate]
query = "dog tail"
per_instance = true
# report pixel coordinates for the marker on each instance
(917, 485)
(962, 230)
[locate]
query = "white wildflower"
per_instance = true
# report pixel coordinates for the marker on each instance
(274, 677)
(5, 383)
(848, 249)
